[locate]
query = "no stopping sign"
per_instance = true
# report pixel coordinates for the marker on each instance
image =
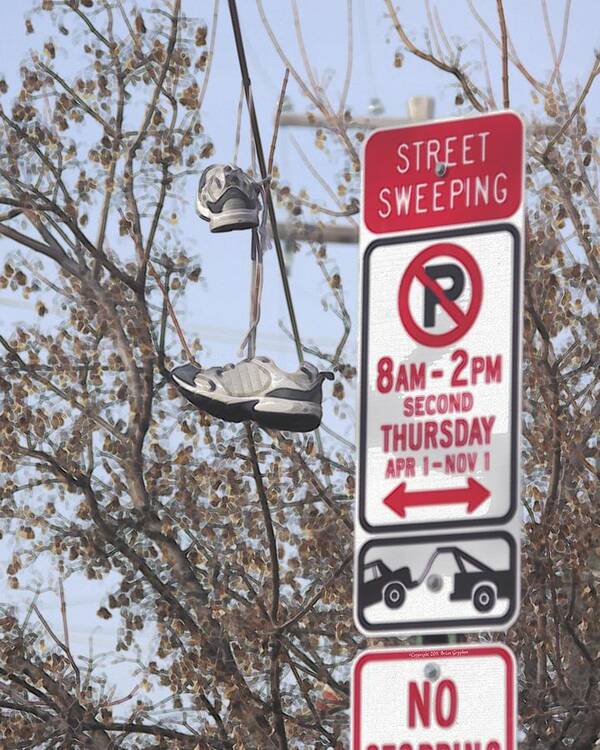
(453, 698)
(428, 268)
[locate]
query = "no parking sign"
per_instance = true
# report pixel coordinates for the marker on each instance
(437, 528)
(440, 380)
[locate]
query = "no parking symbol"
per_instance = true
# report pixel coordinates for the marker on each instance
(421, 323)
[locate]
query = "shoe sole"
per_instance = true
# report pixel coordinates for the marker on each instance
(272, 413)
(230, 220)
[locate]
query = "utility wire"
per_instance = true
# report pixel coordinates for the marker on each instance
(239, 43)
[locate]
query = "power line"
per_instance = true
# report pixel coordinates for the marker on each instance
(419, 108)
(239, 43)
(322, 232)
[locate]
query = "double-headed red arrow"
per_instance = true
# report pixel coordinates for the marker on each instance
(474, 494)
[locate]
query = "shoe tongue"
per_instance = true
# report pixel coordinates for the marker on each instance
(246, 379)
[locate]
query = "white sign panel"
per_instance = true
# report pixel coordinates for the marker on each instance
(439, 582)
(435, 699)
(441, 373)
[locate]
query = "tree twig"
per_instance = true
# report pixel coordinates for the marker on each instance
(470, 90)
(264, 504)
(349, 57)
(152, 271)
(277, 120)
(504, 45)
(578, 104)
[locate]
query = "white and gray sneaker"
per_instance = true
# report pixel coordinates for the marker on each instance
(228, 198)
(256, 389)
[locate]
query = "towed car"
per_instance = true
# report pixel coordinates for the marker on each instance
(472, 580)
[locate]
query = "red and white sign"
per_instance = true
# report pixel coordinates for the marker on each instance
(444, 173)
(417, 272)
(440, 372)
(440, 379)
(451, 698)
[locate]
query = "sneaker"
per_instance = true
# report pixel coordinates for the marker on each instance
(256, 389)
(228, 199)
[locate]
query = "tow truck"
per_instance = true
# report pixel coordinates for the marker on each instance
(483, 585)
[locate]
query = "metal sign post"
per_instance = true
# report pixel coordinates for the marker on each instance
(437, 525)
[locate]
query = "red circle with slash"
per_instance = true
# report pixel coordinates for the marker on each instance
(416, 272)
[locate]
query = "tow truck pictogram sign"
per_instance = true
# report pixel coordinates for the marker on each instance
(451, 698)
(411, 584)
(440, 353)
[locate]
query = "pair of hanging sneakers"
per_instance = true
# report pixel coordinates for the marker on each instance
(254, 389)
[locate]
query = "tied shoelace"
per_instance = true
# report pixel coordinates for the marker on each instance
(260, 243)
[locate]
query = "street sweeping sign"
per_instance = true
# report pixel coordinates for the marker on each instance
(439, 428)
